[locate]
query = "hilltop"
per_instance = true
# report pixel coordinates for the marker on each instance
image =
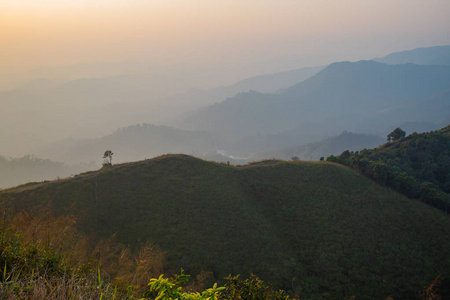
(318, 229)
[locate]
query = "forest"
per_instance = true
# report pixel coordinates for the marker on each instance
(417, 166)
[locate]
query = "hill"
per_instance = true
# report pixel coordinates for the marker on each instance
(417, 166)
(364, 96)
(318, 229)
(439, 55)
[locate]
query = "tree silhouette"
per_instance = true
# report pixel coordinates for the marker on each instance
(395, 135)
(107, 157)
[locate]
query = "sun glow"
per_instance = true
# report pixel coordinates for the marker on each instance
(62, 32)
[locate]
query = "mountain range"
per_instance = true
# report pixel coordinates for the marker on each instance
(439, 55)
(92, 107)
(344, 96)
(78, 120)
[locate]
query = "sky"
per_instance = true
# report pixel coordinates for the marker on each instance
(214, 32)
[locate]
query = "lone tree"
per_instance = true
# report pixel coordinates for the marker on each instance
(107, 158)
(396, 135)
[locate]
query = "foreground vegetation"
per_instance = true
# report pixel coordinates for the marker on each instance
(36, 264)
(317, 230)
(33, 269)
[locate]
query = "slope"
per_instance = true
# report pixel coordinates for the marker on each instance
(318, 229)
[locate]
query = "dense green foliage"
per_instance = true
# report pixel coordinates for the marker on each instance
(395, 135)
(319, 230)
(234, 289)
(417, 166)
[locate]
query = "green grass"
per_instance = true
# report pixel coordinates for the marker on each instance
(319, 230)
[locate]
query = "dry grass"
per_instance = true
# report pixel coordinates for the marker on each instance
(81, 267)
(52, 287)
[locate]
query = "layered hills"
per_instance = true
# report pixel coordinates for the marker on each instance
(286, 116)
(364, 96)
(95, 104)
(319, 229)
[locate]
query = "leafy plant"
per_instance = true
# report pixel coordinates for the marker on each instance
(170, 289)
(250, 289)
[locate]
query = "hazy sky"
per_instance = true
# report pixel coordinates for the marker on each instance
(60, 32)
(179, 44)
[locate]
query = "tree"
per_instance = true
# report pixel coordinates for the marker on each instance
(107, 157)
(295, 158)
(395, 135)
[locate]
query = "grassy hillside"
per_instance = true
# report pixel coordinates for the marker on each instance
(318, 229)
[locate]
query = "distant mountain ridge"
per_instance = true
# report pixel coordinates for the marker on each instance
(110, 102)
(269, 112)
(439, 55)
(364, 96)
(267, 83)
